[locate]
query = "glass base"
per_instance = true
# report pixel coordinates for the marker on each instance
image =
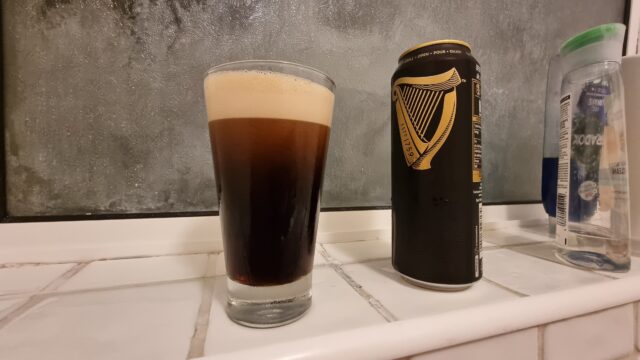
(594, 247)
(268, 306)
(592, 260)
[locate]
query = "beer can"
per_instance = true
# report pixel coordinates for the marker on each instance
(436, 166)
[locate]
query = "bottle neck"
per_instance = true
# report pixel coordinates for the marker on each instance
(605, 51)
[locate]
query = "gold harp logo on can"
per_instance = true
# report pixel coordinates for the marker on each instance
(417, 101)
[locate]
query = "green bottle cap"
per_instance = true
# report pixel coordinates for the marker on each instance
(591, 36)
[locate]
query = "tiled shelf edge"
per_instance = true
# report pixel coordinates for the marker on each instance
(415, 336)
(52, 242)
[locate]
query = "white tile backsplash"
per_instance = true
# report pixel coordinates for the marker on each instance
(336, 306)
(149, 322)
(637, 324)
(357, 251)
(532, 276)
(29, 278)
(521, 345)
(604, 335)
(216, 265)
(111, 273)
(143, 308)
(407, 301)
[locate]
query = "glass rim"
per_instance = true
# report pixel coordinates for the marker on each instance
(220, 67)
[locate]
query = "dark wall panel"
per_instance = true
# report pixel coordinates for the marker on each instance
(104, 110)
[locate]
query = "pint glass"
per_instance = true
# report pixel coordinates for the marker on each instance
(269, 126)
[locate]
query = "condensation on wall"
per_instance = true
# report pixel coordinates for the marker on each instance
(104, 109)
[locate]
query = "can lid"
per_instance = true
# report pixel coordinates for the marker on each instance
(591, 36)
(436, 42)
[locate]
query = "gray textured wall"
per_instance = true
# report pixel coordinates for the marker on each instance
(104, 110)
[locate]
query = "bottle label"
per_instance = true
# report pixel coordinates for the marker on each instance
(564, 159)
(476, 165)
(476, 126)
(478, 255)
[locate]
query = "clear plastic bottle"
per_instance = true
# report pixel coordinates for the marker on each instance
(551, 141)
(593, 201)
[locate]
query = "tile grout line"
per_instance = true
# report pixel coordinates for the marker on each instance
(23, 264)
(629, 356)
(85, 290)
(504, 287)
(636, 345)
(512, 246)
(19, 295)
(541, 330)
(201, 328)
(365, 261)
(35, 299)
(370, 299)
(60, 280)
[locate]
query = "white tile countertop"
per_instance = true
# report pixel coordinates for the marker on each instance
(143, 304)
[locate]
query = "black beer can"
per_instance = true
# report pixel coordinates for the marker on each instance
(436, 166)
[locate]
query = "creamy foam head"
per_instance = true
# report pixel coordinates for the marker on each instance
(264, 94)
